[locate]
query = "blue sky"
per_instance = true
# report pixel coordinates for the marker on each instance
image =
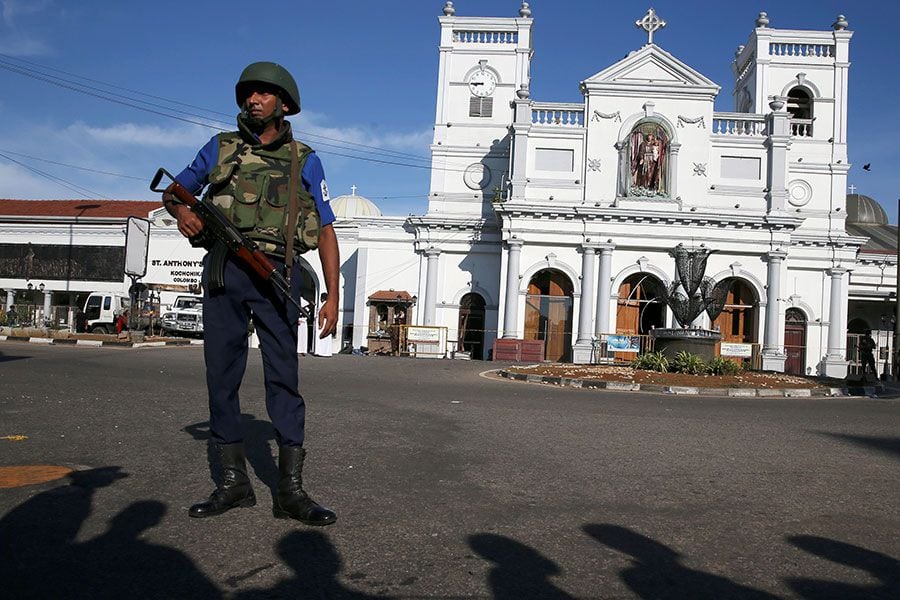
(367, 72)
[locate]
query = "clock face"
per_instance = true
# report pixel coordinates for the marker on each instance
(482, 83)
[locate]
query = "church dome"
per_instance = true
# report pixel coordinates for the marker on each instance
(351, 205)
(864, 210)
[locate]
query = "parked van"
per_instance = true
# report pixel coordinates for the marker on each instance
(101, 309)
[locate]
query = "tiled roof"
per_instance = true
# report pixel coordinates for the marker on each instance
(391, 296)
(77, 208)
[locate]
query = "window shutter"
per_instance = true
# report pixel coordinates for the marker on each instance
(481, 107)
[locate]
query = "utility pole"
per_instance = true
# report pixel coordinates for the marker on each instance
(897, 303)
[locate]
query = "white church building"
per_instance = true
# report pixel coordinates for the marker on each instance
(556, 222)
(550, 220)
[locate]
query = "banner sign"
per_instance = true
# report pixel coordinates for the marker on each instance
(739, 350)
(423, 334)
(623, 343)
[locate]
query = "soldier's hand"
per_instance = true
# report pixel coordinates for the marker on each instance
(328, 317)
(189, 224)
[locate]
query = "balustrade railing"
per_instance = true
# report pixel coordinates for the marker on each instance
(739, 124)
(558, 115)
(802, 127)
(486, 37)
(802, 50)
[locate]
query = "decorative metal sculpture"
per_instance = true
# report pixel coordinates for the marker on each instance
(694, 293)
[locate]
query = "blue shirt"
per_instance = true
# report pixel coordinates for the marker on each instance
(196, 175)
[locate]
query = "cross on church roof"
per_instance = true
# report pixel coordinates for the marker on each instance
(852, 189)
(650, 23)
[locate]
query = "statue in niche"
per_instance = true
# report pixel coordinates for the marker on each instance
(649, 146)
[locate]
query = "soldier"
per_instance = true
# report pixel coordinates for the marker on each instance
(273, 188)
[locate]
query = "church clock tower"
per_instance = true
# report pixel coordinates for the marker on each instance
(483, 61)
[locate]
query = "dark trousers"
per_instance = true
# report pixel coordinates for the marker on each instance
(226, 318)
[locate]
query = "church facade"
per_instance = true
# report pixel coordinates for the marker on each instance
(559, 220)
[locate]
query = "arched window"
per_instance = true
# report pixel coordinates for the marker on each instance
(799, 105)
(648, 161)
(737, 321)
(638, 309)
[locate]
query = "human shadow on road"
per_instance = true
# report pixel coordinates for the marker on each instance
(316, 565)
(887, 445)
(257, 435)
(37, 536)
(882, 567)
(656, 570)
(119, 564)
(41, 557)
(519, 571)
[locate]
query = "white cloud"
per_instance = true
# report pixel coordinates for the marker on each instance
(134, 134)
(17, 42)
(20, 183)
(413, 142)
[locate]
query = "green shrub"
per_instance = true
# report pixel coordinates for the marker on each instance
(652, 361)
(690, 364)
(722, 366)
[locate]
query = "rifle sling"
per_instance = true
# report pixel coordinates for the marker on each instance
(290, 226)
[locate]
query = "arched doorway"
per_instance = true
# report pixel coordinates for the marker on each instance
(470, 334)
(638, 309)
(548, 313)
(795, 341)
(737, 321)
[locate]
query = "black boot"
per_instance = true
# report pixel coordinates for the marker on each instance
(234, 490)
(291, 502)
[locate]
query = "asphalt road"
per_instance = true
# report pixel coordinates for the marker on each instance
(447, 484)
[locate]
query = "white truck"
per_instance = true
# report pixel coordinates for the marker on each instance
(185, 317)
(101, 309)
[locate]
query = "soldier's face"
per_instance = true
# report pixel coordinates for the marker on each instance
(261, 101)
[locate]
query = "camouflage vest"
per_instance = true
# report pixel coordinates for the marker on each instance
(249, 184)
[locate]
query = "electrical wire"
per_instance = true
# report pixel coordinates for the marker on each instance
(200, 119)
(90, 194)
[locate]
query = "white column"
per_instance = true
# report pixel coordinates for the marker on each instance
(511, 300)
(773, 356)
(835, 363)
(431, 279)
(777, 143)
(672, 182)
(10, 298)
(583, 344)
(48, 298)
(603, 290)
(519, 146)
(360, 310)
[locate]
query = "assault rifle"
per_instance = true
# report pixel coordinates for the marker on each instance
(219, 228)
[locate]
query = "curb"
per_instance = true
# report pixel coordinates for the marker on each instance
(821, 392)
(97, 343)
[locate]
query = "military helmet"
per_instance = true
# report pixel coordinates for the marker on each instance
(274, 74)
